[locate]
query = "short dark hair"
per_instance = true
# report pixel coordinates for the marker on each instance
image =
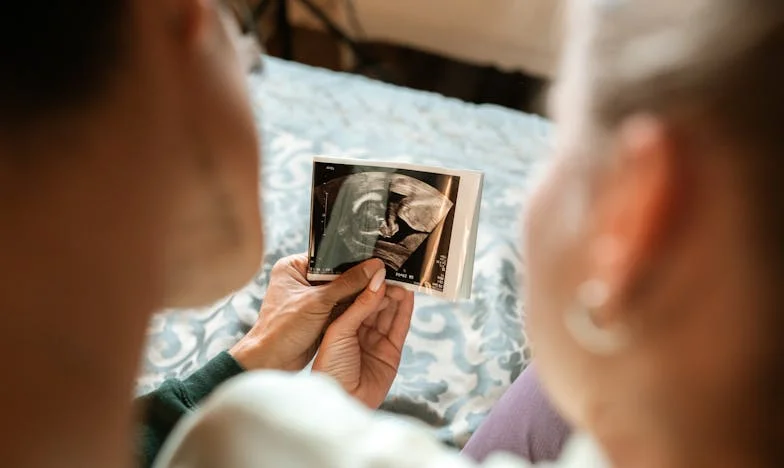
(56, 54)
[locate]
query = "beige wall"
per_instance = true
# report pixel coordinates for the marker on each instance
(510, 34)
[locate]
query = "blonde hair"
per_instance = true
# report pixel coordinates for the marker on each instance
(722, 61)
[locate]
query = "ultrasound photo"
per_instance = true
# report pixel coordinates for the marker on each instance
(403, 217)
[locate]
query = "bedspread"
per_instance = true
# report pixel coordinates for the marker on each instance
(459, 357)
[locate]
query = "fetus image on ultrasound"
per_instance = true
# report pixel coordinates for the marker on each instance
(386, 215)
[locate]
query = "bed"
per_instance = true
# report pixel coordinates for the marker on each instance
(460, 357)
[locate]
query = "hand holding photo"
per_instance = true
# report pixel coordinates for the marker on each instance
(420, 221)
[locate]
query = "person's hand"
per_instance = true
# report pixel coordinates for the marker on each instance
(362, 348)
(294, 314)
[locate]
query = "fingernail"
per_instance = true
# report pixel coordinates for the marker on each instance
(378, 280)
(384, 304)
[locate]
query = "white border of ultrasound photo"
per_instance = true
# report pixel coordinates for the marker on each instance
(459, 271)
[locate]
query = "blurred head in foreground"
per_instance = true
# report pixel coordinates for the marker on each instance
(125, 132)
(128, 182)
(655, 294)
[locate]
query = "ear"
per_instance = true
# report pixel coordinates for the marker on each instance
(636, 209)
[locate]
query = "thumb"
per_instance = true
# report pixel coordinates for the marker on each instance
(371, 300)
(299, 262)
(353, 281)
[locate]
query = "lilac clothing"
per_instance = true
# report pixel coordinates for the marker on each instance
(523, 422)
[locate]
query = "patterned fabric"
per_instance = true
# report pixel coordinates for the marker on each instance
(460, 357)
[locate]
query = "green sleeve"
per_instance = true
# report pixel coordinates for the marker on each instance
(162, 409)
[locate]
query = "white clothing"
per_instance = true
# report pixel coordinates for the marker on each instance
(271, 419)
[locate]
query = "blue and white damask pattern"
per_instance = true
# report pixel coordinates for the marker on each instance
(459, 357)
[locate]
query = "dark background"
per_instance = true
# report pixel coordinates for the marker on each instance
(417, 261)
